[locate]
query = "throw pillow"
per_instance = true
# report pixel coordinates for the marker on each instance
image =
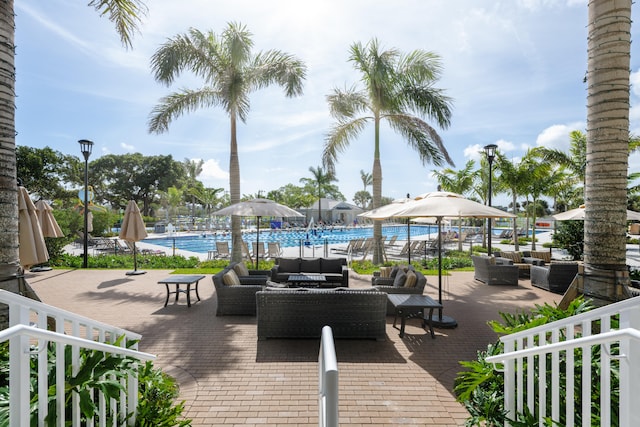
(412, 280)
(230, 278)
(400, 279)
(385, 271)
(241, 269)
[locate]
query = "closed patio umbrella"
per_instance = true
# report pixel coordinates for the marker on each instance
(48, 223)
(441, 204)
(577, 214)
(32, 249)
(258, 208)
(133, 230)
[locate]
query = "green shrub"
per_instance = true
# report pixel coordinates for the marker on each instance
(480, 386)
(126, 261)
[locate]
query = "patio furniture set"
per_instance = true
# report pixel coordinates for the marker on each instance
(509, 267)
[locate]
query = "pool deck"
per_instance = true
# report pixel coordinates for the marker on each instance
(229, 378)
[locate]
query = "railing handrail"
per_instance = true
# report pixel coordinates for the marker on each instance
(39, 333)
(31, 304)
(601, 338)
(628, 304)
(327, 381)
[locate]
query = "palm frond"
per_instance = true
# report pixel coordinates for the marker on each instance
(338, 139)
(421, 137)
(274, 66)
(345, 104)
(125, 14)
(178, 103)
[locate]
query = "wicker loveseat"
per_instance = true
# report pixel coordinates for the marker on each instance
(523, 262)
(485, 270)
(240, 298)
(555, 277)
(301, 313)
(335, 270)
(395, 285)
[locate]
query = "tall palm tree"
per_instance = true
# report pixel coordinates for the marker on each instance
(321, 180)
(208, 197)
(399, 89)
(193, 169)
(514, 178)
(231, 71)
(609, 53)
(126, 15)
(367, 179)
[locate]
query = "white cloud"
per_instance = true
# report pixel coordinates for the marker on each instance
(557, 136)
(212, 174)
(127, 147)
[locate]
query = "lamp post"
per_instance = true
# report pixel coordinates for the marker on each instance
(490, 151)
(85, 148)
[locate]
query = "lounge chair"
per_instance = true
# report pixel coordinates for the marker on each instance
(392, 242)
(273, 250)
(222, 250)
(246, 254)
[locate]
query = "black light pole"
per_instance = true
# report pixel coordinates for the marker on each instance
(490, 150)
(85, 148)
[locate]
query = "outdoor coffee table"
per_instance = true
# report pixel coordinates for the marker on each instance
(182, 279)
(302, 280)
(411, 305)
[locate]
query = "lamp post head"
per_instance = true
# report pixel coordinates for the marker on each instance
(490, 150)
(85, 147)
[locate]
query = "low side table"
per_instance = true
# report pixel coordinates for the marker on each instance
(411, 305)
(182, 279)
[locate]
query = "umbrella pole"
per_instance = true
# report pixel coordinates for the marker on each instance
(439, 320)
(409, 240)
(258, 244)
(135, 271)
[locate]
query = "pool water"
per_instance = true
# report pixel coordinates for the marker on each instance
(287, 238)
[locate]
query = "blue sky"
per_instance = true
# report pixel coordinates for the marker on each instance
(514, 69)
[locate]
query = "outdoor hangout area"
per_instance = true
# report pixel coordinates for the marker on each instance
(228, 376)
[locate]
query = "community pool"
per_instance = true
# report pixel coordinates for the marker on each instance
(290, 238)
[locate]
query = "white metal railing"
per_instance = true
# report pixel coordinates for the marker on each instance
(328, 381)
(29, 338)
(540, 363)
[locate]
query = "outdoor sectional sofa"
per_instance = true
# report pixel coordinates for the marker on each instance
(486, 270)
(239, 299)
(395, 285)
(555, 277)
(302, 312)
(335, 270)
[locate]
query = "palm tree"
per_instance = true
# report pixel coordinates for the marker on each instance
(367, 179)
(208, 197)
(126, 15)
(399, 89)
(193, 168)
(231, 72)
(322, 181)
(513, 177)
(609, 53)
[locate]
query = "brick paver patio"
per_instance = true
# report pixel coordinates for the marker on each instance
(229, 378)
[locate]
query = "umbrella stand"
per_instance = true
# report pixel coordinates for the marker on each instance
(135, 271)
(439, 320)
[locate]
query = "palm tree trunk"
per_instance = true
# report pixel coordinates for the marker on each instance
(607, 149)
(234, 192)
(516, 243)
(377, 195)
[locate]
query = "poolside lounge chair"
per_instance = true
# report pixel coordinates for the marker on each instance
(246, 254)
(392, 242)
(273, 250)
(222, 250)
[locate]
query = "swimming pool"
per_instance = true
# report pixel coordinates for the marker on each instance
(286, 238)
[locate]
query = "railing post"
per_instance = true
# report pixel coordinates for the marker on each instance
(328, 381)
(629, 370)
(20, 369)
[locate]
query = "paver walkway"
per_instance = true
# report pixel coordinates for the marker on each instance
(228, 377)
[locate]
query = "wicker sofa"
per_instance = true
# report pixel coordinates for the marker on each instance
(301, 313)
(485, 270)
(555, 277)
(390, 285)
(239, 299)
(335, 270)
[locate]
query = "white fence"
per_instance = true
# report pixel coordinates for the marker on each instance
(328, 381)
(29, 339)
(551, 370)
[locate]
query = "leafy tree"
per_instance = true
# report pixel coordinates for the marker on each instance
(292, 196)
(367, 179)
(230, 72)
(116, 179)
(209, 199)
(362, 198)
(400, 90)
(515, 178)
(126, 15)
(460, 181)
(193, 169)
(321, 181)
(44, 172)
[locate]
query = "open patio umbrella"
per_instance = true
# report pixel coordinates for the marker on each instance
(577, 214)
(388, 211)
(32, 249)
(133, 230)
(258, 208)
(441, 204)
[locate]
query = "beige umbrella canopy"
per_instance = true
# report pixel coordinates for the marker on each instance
(258, 208)
(133, 230)
(441, 204)
(577, 214)
(32, 249)
(48, 223)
